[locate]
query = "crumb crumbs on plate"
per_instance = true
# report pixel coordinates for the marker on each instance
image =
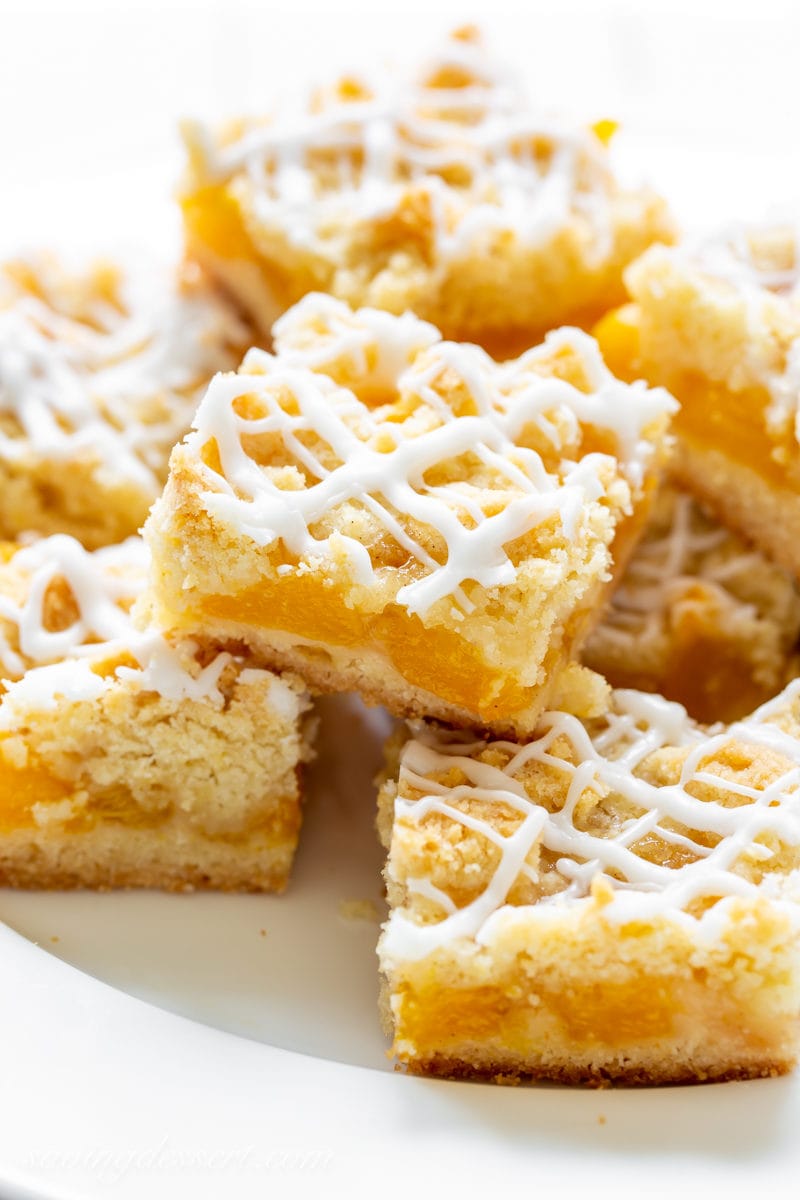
(358, 910)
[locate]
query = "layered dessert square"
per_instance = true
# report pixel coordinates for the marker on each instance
(101, 368)
(700, 616)
(718, 323)
(443, 191)
(612, 901)
(130, 760)
(389, 513)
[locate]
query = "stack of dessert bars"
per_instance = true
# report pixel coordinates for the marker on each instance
(416, 475)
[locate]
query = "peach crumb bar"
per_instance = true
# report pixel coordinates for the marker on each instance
(700, 617)
(101, 368)
(127, 759)
(443, 191)
(718, 323)
(386, 512)
(613, 901)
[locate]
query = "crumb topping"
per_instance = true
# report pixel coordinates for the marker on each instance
(363, 421)
(643, 810)
(687, 557)
(106, 364)
(455, 154)
(66, 629)
(748, 279)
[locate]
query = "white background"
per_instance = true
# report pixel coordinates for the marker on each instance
(90, 91)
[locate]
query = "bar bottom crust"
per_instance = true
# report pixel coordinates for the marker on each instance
(577, 999)
(172, 857)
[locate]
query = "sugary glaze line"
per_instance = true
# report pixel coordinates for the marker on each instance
(751, 257)
(671, 561)
(606, 761)
(115, 383)
(459, 132)
(40, 663)
(344, 450)
(100, 583)
(661, 567)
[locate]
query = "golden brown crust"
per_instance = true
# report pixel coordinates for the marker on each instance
(172, 858)
(581, 1000)
(600, 1077)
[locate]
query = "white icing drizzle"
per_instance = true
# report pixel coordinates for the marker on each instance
(41, 665)
(669, 563)
(372, 346)
(608, 759)
(119, 387)
(390, 481)
(488, 163)
(731, 255)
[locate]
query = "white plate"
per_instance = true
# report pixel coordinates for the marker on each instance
(278, 1084)
(229, 1046)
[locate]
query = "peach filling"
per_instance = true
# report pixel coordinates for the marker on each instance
(214, 224)
(605, 129)
(710, 414)
(213, 219)
(618, 336)
(723, 688)
(22, 788)
(437, 1018)
(437, 660)
(614, 1014)
(730, 422)
(710, 674)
